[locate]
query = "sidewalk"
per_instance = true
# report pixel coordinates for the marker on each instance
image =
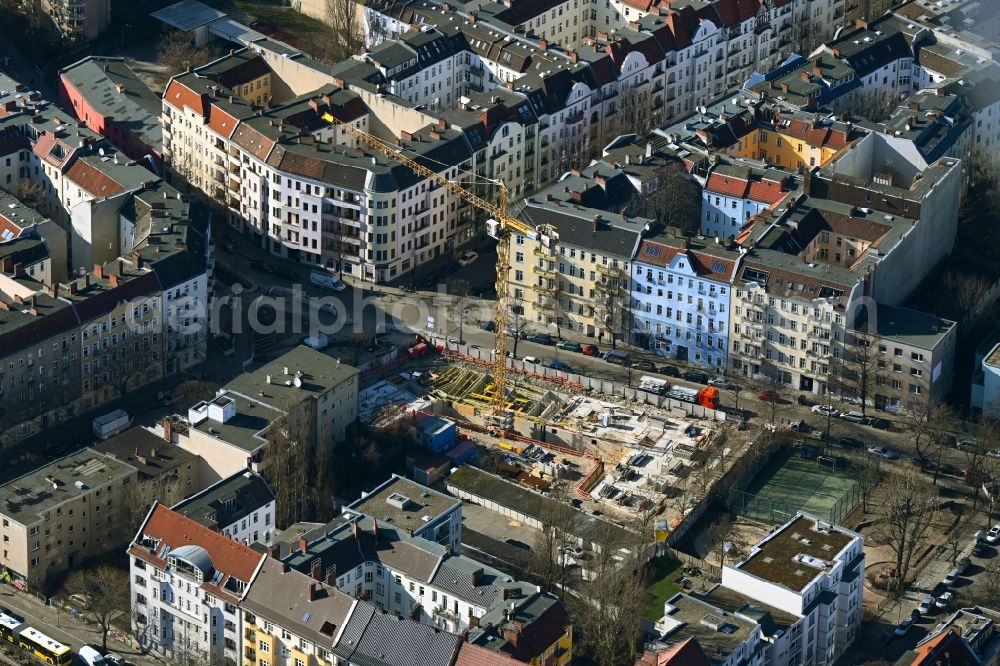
(60, 625)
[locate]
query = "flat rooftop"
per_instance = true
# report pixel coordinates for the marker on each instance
(246, 429)
(912, 327)
(718, 631)
(187, 15)
(48, 486)
(404, 503)
(148, 453)
(797, 552)
(993, 358)
(316, 372)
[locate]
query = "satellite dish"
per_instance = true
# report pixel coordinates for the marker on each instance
(702, 109)
(100, 151)
(297, 382)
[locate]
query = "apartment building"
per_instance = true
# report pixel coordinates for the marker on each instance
(240, 507)
(32, 241)
(581, 281)
(812, 570)
(229, 432)
(79, 20)
(727, 638)
(681, 289)
(121, 330)
(735, 191)
(106, 94)
(425, 512)
(40, 358)
(187, 582)
(61, 514)
(410, 577)
(915, 361)
(166, 472)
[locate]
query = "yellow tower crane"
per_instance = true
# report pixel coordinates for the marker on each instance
(499, 227)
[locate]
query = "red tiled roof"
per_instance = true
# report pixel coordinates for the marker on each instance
(712, 267)
(179, 96)
(470, 654)
(768, 191)
(729, 186)
(814, 136)
(945, 648)
(231, 558)
(686, 653)
(8, 225)
(657, 254)
(221, 122)
(92, 180)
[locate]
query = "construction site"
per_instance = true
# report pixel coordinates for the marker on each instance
(627, 454)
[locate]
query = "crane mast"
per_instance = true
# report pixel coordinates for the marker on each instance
(500, 228)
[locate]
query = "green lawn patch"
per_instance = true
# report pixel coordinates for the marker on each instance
(663, 571)
(282, 18)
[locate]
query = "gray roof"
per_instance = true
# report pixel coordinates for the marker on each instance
(27, 497)
(420, 501)
(150, 454)
(247, 429)
(114, 91)
(719, 632)
(320, 373)
(381, 639)
(196, 556)
(283, 598)
(187, 15)
(458, 576)
(911, 327)
(227, 501)
(613, 235)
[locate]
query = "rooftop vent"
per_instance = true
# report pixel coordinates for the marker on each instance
(398, 501)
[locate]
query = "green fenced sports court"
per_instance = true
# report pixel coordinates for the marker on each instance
(789, 483)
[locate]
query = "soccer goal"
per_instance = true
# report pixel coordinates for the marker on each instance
(830, 464)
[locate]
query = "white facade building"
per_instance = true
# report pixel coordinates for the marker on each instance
(241, 507)
(811, 569)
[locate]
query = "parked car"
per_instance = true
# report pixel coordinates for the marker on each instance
(967, 445)
(993, 535)
(719, 382)
(883, 452)
(590, 350)
(616, 357)
(926, 606)
(995, 453)
(467, 257)
(881, 424)
(277, 271)
(532, 359)
(644, 365)
(800, 426)
(980, 549)
(802, 400)
(518, 544)
(669, 371)
(767, 395)
(903, 628)
(572, 549)
(455, 341)
(951, 577)
(853, 416)
(487, 325)
(556, 364)
(566, 345)
(963, 565)
(944, 600)
(541, 339)
(697, 377)
(825, 410)
(850, 443)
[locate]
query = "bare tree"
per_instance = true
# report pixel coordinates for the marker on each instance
(549, 561)
(958, 535)
(346, 38)
(675, 199)
(105, 589)
(872, 104)
(633, 113)
(176, 52)
(735, 389)
(612, 600)
(571, 150)
(517, 322)
(860, 372)
(195, 390)
(357, 342)
(613, 303)
(969, 291)
(867, 472)
(991, 587)
(289, 463)
(907, 512)
(31, 194)
(930, 424)
(807, 35)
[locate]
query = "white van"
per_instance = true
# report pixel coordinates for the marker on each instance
(326, 281)
(91, 656)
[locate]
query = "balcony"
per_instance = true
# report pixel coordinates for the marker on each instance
(250, 655)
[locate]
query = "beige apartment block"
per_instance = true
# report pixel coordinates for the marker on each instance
(58, 516)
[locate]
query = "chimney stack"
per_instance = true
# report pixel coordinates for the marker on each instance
(311, 592)
(317, 569)
(274, 551)
(18, 269)
(574, 56)
(331, 576)
(543, 44)
(98, 271)
(168, 430)
(303, 545)
(375, 529)
(442, 123)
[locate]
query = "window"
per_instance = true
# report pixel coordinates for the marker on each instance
(264, 647)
